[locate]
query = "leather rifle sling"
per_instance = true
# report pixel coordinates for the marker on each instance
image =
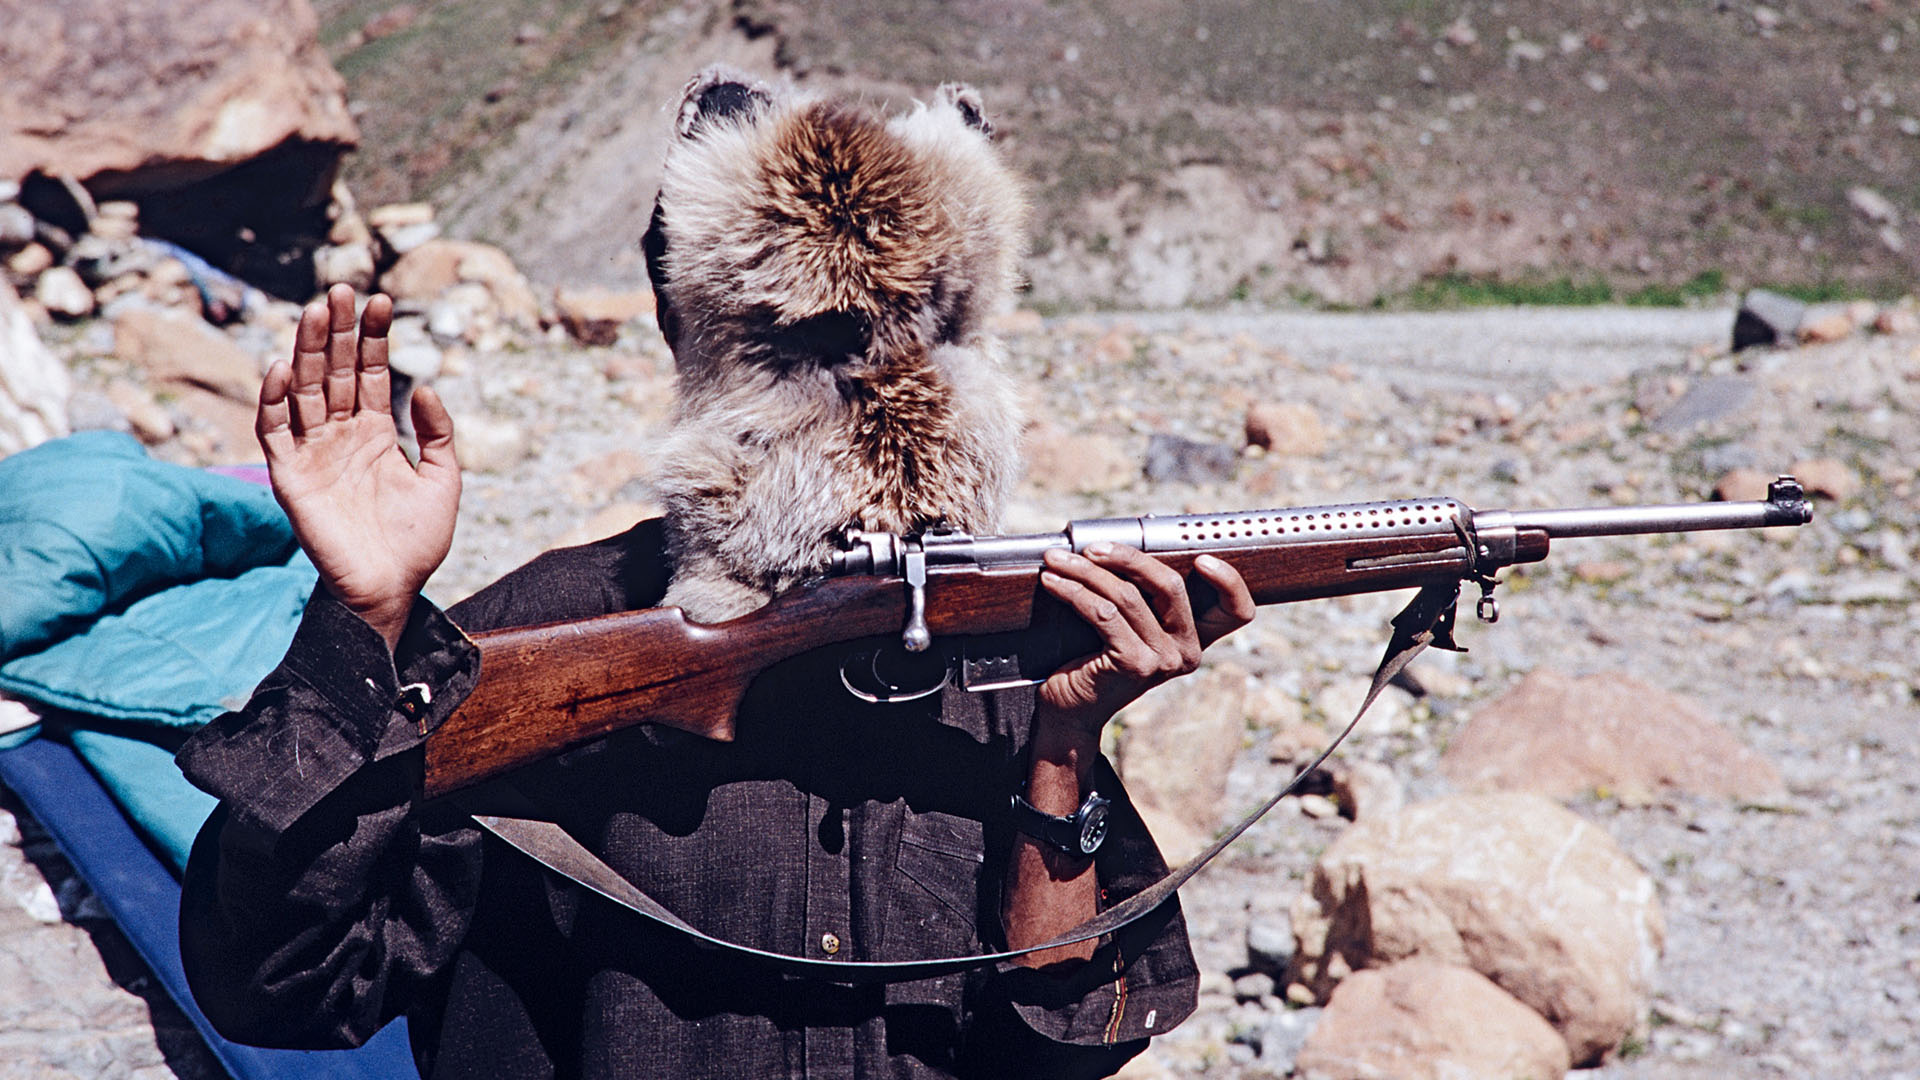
(1426, 620)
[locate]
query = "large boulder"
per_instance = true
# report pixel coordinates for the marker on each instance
(34, 385)
(222, 120)
(131, 95)
(1513, 886)
(1561, 737)
(1176, 747)
(1424, 1020)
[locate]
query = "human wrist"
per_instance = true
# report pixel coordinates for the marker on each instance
(387, 618)
(1061, 759)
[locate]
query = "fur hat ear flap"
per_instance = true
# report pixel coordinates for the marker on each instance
(654, 246)
(966, 101)
(719, 93)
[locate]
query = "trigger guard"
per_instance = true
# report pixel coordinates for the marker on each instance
(881, 691)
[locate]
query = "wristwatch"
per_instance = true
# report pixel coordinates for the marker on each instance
(1080, 835)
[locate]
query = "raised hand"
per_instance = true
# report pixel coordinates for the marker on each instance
(375, 525)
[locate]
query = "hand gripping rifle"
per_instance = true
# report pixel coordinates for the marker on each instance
(970, 609)
(946, 607)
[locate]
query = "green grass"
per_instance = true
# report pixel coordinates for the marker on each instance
(1469, 291)
(1454, 291)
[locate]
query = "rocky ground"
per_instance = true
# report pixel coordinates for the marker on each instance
(1793, 943)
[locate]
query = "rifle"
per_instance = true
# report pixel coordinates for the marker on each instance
(546, 689)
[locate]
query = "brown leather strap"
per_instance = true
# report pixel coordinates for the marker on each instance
(1426, 620)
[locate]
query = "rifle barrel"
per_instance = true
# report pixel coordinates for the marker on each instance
(1630, 520)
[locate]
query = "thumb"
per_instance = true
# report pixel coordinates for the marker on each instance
(434, 427)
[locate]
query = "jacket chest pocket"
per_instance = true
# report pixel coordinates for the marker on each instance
(936, 900)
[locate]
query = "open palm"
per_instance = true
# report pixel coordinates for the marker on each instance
(375, 525)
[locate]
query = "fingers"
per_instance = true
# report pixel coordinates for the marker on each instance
(1234, 608)
(309, 401)
(272, 424)
(342, 352)
(375, 393)
(1116, 607)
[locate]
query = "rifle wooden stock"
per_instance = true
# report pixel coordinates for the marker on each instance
(546, 689)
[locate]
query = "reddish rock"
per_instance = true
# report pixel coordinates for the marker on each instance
(595, 316)
(1424, 1020)
(1825, 327)
(427, 271)
(1897, 321)
(1286, 428)
(1563, 737)
(1059, 461)
(1513, 886)
(1176, 745)
(171, 346)
(1826, 478)
(136, 97)
(1742, 485)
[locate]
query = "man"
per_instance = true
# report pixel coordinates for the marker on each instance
(325, 897)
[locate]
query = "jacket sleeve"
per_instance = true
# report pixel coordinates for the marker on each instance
(1090, 1018)
(318, 899)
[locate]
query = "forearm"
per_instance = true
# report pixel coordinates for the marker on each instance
(1049, 891)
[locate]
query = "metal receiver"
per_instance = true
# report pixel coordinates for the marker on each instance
(1486, 542)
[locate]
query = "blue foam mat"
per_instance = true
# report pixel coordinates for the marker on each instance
(144, 898)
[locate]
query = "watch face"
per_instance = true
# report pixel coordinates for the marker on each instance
(1093, 829)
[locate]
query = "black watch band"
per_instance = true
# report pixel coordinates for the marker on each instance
(1080, 834)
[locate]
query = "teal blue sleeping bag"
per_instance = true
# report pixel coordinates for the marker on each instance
(139, 599)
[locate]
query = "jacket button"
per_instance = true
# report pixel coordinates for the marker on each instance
(829, 944)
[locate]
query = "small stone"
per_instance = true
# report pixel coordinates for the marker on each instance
(400, 215)
(1897, 322)
(1269, 945)
(404, 239)
(61, 292)
(488, 444)
(1179, 460)
(1873, 206)
(1367, 790)
(1217, 983)
(1766, 318)
(344, 264)
(16, 224)
(1253, 986)
(1318, 807)
(595, 316)
(1826, 478)
(28, 263)
(419, 361)
(1824, 327)
(116, 220)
